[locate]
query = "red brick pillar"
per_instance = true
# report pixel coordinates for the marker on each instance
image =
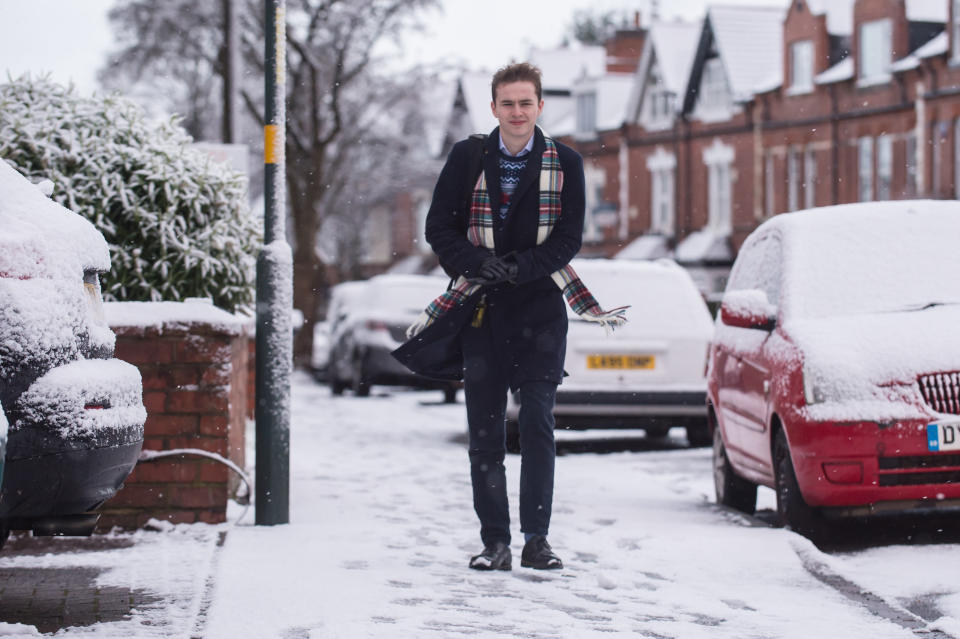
(193, 360)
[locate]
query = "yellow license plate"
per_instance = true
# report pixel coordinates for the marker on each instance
(621, 362)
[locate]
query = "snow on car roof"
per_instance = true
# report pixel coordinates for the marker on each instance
(41, 237)
(891, 255)
(404, 293)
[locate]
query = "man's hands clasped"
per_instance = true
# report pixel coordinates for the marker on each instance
(496, 270)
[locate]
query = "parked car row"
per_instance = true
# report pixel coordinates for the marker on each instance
(75, 414)
(366, 321)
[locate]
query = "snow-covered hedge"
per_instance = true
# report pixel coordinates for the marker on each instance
(178, 223)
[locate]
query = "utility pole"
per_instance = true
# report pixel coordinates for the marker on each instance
(274, 292)
(231, 75)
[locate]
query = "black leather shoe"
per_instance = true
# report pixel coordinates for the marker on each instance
(495, 556)
(538, 554)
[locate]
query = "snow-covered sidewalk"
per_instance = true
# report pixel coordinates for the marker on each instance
(382, 527)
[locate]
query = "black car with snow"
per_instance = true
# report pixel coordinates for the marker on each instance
(75, 414)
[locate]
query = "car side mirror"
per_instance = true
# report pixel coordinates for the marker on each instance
(748, 309)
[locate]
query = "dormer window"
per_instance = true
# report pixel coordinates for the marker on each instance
(801, 66)
(714, 95)
(876, 51)
(587, 114)
(659, 103)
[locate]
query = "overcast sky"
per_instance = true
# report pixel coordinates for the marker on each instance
(70, 38)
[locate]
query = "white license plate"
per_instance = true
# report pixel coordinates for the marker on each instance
(943, 436)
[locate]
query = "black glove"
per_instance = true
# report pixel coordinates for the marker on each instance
(495, 270)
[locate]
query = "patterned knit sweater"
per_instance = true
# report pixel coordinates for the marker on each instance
(510, 170)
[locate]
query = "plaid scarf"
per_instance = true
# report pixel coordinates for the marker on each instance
(480, 233)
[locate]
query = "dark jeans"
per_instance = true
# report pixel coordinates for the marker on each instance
(485, 391)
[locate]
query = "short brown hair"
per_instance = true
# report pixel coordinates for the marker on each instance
(519, 72)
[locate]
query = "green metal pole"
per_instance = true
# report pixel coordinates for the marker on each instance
(274, 294)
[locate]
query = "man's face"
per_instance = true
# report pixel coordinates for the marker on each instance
(517, 108)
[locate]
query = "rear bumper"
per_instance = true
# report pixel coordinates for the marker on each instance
(583, 409)
(76, 434)
(64, 483)
(866, 468)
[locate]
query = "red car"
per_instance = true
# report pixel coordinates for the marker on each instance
(834, 372)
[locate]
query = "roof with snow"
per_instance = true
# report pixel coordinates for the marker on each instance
(927, 11)
(475, 86)
(750, 43)
(563, 66)
(839, 15)
(612, 92)
(839, 72)
(672, 46)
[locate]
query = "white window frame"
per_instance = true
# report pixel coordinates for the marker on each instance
(714, 101)
(865, 169)
(769, 195)
(659, 103)
(594, 181)
(801, 67)
(719, 160)
(586, 114)
(662, 166)
(956, 158)
(809, 177)
(876, 51)
(910, 145)
(793, 178)
(884, 167)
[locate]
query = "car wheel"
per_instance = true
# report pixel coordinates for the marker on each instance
(450, 395)
(731, 489)
(657, 432)
(361, 384)
(792, 510)
(698, 435)
(336, 386)
(4, 533)
(513, 436)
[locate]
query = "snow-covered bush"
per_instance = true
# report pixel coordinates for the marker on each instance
(178, 223)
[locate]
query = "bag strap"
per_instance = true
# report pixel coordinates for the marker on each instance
(477, 142)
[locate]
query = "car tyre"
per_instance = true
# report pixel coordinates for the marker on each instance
(792, 510)
(513, 436)
(450, 395)
(698, 435)
(361, 383)
(336, 386)
(731, 489)
(657, 432)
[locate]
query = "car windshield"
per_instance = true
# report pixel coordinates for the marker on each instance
(898, 257)
(408, 295)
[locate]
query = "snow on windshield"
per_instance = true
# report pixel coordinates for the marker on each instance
(405, 293)
(871, 257)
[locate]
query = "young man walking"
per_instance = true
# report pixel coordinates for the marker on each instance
(503, 323)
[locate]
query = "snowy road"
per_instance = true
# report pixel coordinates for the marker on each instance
(382, 527)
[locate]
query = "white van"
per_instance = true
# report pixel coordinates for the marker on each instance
(646, 374)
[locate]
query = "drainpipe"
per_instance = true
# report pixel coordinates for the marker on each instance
(920, 132)
(834, 146)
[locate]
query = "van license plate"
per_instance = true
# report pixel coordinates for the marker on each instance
(621, 362)
(943, 436)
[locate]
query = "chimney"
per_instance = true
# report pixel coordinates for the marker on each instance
(625, 47)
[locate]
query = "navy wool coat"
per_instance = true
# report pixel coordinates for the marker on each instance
(528, 319)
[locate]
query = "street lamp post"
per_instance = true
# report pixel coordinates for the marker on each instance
(274, 294)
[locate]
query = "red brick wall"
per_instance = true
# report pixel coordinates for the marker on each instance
(195, 386)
